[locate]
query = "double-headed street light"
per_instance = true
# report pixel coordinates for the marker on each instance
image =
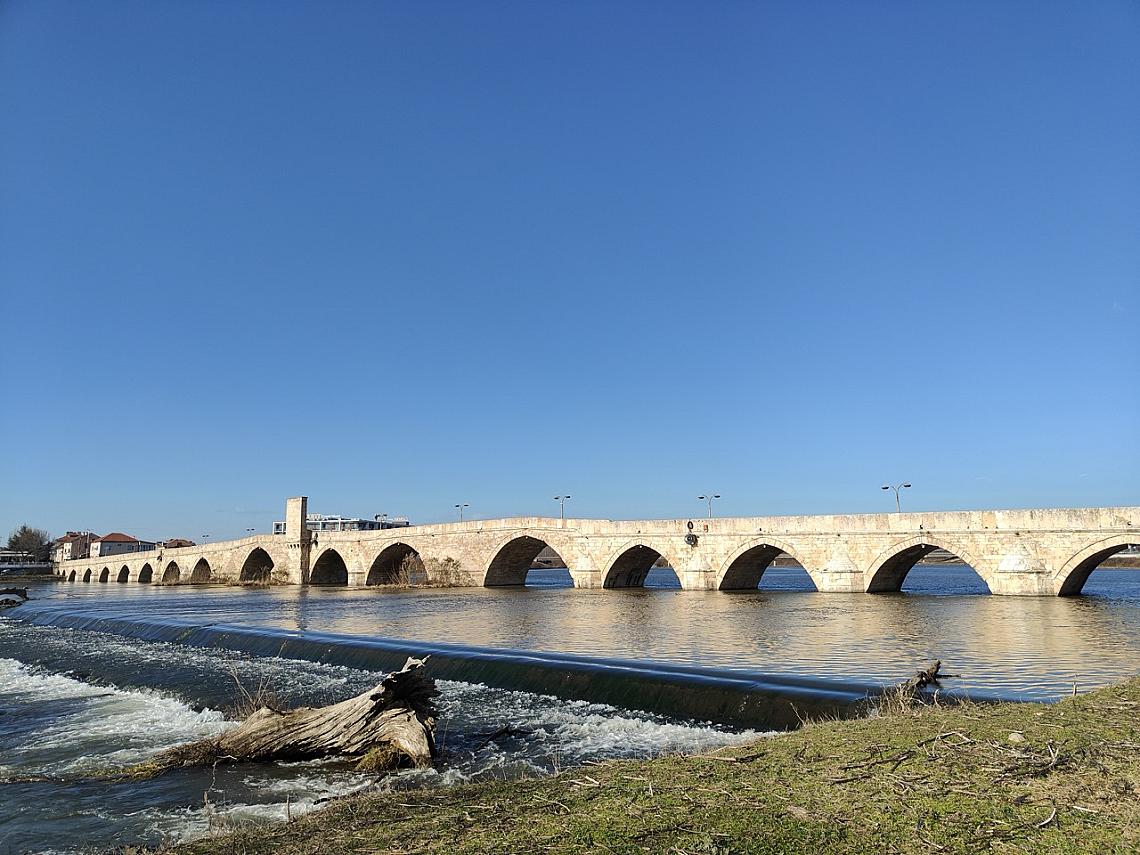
(561, 506)
(896, 488)
(460, 509)
(709, 498)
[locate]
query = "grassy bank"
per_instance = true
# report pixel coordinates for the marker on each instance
(1006, 778)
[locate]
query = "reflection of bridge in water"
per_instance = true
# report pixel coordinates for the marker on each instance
(1028, 552)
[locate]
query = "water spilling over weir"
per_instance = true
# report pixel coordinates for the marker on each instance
(740, 699)
(98, 701)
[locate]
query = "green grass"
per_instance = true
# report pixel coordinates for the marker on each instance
(968, 778)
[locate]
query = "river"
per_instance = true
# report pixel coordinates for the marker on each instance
(75, 701)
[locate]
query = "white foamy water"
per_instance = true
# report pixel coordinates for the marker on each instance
(576, 731)
(67, 727)
(135, 699)
(293, 790)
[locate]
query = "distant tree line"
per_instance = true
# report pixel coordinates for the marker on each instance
(33, 540)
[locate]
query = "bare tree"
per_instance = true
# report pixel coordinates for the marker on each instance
(33, 540)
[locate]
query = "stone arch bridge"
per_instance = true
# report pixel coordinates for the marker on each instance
(1025, 552)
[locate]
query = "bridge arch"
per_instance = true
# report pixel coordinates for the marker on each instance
(105, 574)
(511, 559)
(745, 567)
(630, 565)
(329, 569)
(201, 574)
(172, 575)
(124, 574)
(87, 575)
(397, 564)
(257, 568)
(1071, 578)
(71, 576)
(146, 574)
(889, 569)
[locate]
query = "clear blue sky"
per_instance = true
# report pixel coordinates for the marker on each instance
(396, 256)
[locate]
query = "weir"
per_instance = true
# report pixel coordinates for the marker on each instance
(1036, 552)
(740, 699)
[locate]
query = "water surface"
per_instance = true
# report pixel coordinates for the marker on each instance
(1030, 648)
(94, 702)
(73, 701)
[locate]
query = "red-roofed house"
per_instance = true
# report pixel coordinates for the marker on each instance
(117, 543)
(74, 544)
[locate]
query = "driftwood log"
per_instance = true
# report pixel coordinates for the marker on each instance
(12, 597)
(926, 677)
(932, 675)
(387, 727)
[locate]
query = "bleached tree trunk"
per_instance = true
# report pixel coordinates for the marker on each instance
(389, 726)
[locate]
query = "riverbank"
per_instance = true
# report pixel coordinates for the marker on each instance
(1058, 777)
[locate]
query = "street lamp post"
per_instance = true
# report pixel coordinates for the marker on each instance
(896, 488)
(709, 498)
(460, 509)
(561, 506)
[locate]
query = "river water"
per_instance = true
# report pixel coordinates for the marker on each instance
(77, 701)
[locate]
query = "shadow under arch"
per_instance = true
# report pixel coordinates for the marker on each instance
(105, 575)
(87, 575)
(201, 574)
(330, 569)
(745, 568)
(890, 569)
(146, 574)
(172, 574)
(256, 568)
(124, 574)
(1071, 578)
(397, 564)
(630, 567)
(514, 559)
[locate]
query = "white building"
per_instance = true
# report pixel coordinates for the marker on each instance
(117, 543)
(335, 522)
(21, 563)
(74, 544)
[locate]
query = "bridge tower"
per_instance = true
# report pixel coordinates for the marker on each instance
(298, 538)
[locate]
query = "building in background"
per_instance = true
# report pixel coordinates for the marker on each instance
(117, 543)
(323, 522)
(16, 563)
(74, 544)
